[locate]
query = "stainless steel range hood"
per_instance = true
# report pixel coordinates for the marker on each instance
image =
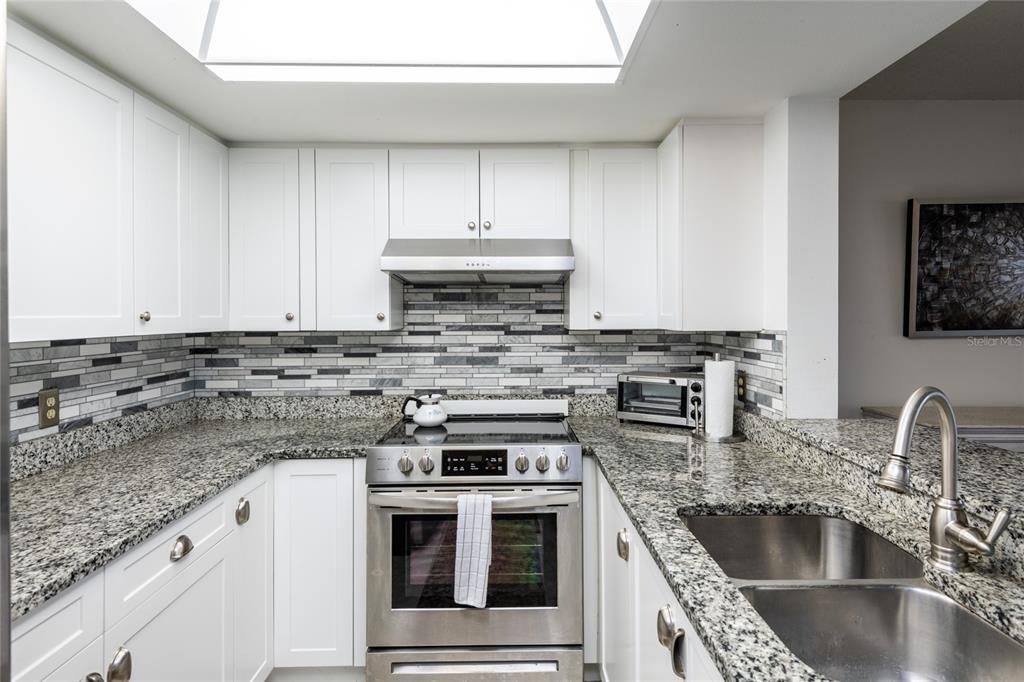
(475, 261)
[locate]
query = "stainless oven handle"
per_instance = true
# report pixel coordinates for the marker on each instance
(450, 503)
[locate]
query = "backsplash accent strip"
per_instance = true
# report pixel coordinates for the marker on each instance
(491, 340)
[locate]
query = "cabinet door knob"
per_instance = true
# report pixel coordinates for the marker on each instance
(182, 546)
(242, 512)
(93, 677)
(622, 544)
(471, 225)
(120, 668)
(145, 317)
(487, 224)
(597, 315)
(380, 316)
(289, 316)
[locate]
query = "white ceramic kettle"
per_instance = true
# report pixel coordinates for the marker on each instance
(428, 411)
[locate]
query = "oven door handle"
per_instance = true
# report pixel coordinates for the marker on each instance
(450, 503)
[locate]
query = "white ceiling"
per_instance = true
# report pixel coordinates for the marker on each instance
(696, 59)
(979, 57)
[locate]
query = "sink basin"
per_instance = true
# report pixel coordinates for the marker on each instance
(800, 548)
(886, 632)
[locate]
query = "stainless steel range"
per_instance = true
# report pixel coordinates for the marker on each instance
(532, 625)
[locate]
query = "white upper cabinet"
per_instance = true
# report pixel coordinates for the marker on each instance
(208, 229)
(264, 217)
(435, 193)
(70, 195)
(351, 230)
(162, 246)
(614, 234)
(722, 226)
(524, 193)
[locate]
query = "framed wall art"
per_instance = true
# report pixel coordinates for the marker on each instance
(965, 269)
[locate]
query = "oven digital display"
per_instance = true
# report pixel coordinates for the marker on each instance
(474, 462)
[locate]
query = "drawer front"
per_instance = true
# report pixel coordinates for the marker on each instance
(137, 575)
(87, 661)
(53, 634)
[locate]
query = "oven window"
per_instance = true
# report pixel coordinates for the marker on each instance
(524, 561)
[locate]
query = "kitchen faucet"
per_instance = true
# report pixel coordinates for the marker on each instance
(952, 536)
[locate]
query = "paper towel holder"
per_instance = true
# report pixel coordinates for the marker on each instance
(700, 434)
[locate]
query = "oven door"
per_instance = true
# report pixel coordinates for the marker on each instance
(534, 593)
(662, 399)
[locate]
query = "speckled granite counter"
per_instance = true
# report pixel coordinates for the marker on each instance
(659, 474)
(69, 521)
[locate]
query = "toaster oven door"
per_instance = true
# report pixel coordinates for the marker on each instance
(647, 400)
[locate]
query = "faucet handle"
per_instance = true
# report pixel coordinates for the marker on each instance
(970, 539)
(999, 524)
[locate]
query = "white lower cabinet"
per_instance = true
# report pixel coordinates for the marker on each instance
(313, 567)
(617, 590)
(184, 631)
(632, 591)
(253, 576)
(54, 642)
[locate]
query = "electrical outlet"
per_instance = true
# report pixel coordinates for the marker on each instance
(740, 385)
(49, 407)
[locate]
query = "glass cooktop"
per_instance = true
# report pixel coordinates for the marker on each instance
(481, 431)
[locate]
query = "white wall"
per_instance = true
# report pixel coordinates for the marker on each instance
(801, 289)
(892, 151)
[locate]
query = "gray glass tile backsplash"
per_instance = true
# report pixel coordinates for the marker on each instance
(485, 339)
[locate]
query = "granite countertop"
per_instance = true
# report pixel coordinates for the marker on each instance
(967, 417)
(71, 520)
(659, 474)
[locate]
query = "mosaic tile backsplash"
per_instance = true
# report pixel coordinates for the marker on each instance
(458, 340)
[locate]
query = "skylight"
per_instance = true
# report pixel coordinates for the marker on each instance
(416, 41)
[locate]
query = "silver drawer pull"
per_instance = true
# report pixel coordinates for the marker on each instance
(182, 546)
(666, 626)
(242, 512)
(93, 677)
(678, 651)
(120, 668)
(622, 544)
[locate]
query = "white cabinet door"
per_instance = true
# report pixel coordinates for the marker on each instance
(722, 222)
(524, 193)
(654, 660)
(46, 641)
(185, 630)
(435, 193)
(591, 561)
(618, 242)
(313, 563)
(208, 228)
(69, 151)
(351, 230)
(670, 231)
(88, 661)
(617, 592)
(253, 578)
(264, 217)
(162, 248)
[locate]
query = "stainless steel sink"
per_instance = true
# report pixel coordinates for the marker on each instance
(886, 632)
(800, 548)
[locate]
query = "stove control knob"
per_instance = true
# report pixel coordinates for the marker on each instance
(522, 464)
(426, 464)
(562, 462)
(405, 464)
(543, 463)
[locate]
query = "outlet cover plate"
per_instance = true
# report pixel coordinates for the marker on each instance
(49, 407)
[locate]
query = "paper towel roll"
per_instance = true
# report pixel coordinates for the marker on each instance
(719, 383)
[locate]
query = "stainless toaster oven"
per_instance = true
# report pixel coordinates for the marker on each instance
(662, 398)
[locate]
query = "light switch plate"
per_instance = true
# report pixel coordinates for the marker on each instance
(49, 407)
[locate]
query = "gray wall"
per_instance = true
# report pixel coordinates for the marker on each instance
(891, 151)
